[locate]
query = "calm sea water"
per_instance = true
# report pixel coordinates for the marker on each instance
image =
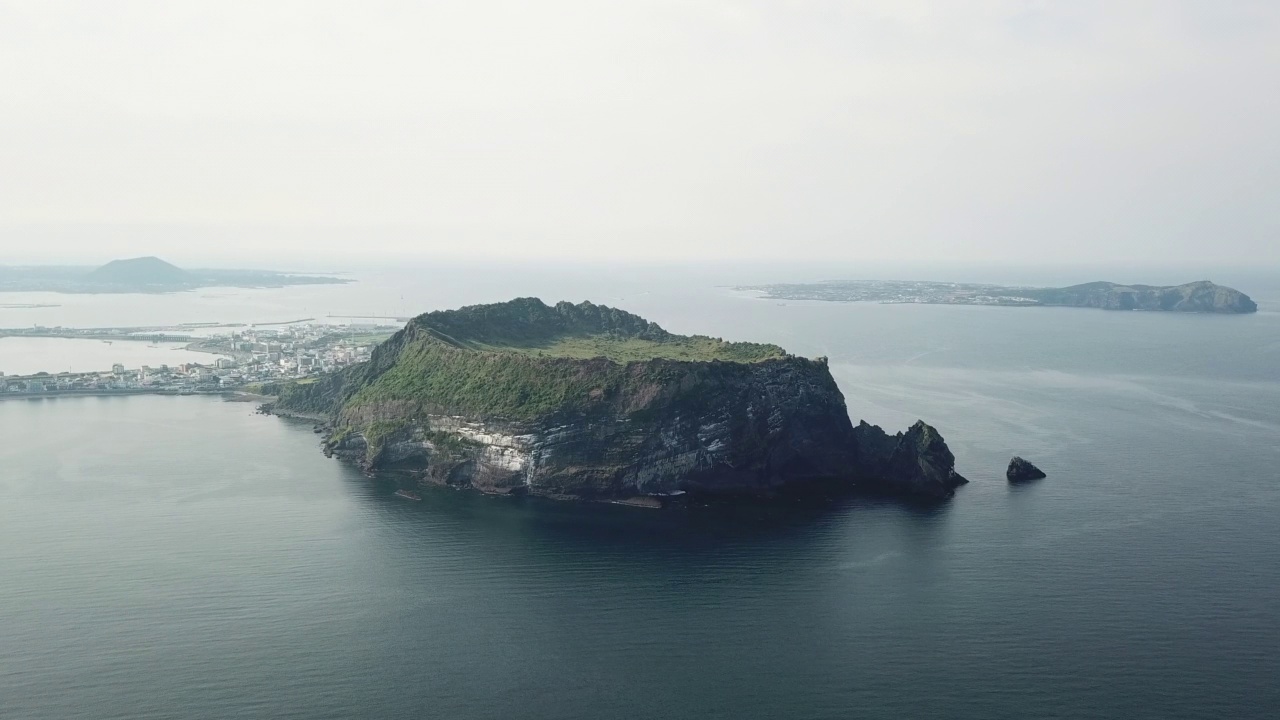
(26, 355)
(183, 557)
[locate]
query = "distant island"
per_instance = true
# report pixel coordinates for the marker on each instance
(144, 275)
(589, 402)
(1198, 297)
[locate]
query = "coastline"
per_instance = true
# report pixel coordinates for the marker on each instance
(232, 395)
(268, 408)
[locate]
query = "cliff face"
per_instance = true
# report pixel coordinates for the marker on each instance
(1202, 296)
(493, 398)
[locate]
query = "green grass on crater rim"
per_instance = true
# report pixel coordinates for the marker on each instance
(629, 349)
(525, 359)
(583, 331)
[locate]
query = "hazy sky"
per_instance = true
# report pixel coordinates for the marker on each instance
(982, 130)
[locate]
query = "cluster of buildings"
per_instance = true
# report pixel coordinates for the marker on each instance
(249, 357)
(297, 350)
(183, 378)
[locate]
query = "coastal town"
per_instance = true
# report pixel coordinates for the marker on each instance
(246, 357)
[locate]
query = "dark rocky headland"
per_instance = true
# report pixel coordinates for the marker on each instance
(589, 402)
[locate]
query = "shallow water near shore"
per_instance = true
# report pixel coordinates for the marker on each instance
(186, 557)
(30, 355)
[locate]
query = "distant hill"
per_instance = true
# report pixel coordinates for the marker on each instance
(145, 275)
(143, 271)
(1200, 297)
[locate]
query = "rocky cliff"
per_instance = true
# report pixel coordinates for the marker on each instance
(585, 401)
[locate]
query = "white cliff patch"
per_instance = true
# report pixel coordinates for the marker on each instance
(503, 451)
(714, 436)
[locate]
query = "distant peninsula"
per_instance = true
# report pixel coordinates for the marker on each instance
(589, 402)
(1196, 297)
(144, 275)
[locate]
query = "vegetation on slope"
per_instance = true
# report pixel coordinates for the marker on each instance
(522, 360)
(377, 433)
(441, 378)
(697, 348)
(581, 331)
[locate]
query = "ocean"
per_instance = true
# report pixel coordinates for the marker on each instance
(30, 355)
(184, 557)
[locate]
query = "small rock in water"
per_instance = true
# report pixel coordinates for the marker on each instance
(1020, 469)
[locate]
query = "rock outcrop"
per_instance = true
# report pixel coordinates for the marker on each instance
(918, 460)
(1021, 470)
(584, 401)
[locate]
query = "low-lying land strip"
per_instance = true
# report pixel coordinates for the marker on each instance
(1201, 296)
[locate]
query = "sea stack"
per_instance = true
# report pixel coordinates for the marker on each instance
(1020, 470)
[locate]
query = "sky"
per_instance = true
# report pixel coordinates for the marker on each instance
(988, 131)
